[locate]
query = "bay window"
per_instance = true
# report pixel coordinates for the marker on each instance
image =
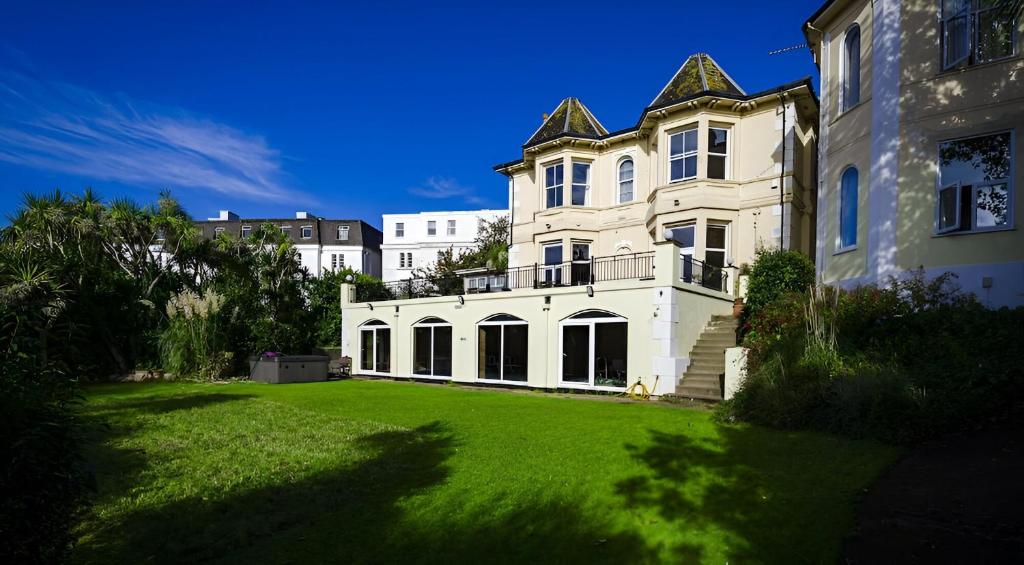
(625, 180)
(682, 157)
(718, 153)
(553, 179)
(580, 184)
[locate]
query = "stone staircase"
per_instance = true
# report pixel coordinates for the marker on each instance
(702, 379)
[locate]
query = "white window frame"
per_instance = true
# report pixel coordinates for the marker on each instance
(412, 349)
(217, 231)
(685, 154)
(399, 229)
(586, 184)
(619, 182)
(431, 228)
(343, 233)
(592, 372)
(302, 232)
(560, 188)
(728, 151)
(246, 231)
(1008, 181)
(501, 356)
(839, 214)
(451, 228)
(374, 328)
(555, 269)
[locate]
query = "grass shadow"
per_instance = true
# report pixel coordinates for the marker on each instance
(769, 504)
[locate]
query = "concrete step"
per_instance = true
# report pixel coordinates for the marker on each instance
(699, 392)
(710, 373)
(701, 382)
(725, 341)
(706, 349)
(706, 366)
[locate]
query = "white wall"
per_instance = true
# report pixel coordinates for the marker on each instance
(424, 248)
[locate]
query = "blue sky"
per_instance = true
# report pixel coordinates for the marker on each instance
(347, 111)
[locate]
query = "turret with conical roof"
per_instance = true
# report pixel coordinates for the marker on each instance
(698, 74)
(570, 118)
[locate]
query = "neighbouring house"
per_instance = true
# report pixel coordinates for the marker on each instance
(624, 248)
(412, 241)
(922, 113)
(322, 244)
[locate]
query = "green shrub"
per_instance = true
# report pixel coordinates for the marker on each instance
(907, 361)
(775, 273)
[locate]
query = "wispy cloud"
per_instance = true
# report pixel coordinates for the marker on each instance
(446, 188)
(61, 127)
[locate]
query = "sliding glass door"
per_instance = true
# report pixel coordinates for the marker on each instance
(375, 347)
(432, 348)
(594, 350)
(502, 349)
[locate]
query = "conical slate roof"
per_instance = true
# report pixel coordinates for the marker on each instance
(699, 73)
(572, 118)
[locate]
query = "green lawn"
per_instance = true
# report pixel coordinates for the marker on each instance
(358, 471)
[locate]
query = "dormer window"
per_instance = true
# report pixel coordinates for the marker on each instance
(307, 232)
(217, 231)
(682, 157)
(246, 231)
(342, 233)
(553, 182)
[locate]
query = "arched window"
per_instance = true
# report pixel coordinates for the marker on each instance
(375, 347)
(626, 180)
(848, 209)
(502, 349)
(432, 348)
(593, 350)
(851, 66)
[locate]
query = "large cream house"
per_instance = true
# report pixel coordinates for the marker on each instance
(922, 113)
(702, 165)
(622, 245)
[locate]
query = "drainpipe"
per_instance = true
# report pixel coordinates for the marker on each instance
(782, 177)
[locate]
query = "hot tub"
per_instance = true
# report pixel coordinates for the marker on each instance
(289, 369)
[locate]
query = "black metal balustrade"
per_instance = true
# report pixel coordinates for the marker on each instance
(695, 271)
(635, 266)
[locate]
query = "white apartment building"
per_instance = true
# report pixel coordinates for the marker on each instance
(412, 241)
(322, 244)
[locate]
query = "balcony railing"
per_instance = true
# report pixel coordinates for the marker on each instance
(695, 271)
(633, 266)
(568, 273)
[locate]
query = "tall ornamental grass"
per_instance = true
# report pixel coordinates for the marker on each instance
(190, 346)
